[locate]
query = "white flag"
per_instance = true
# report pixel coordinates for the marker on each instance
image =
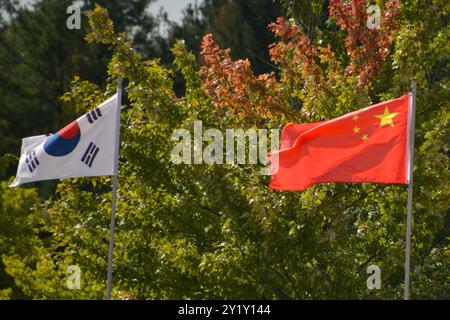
(86, 147)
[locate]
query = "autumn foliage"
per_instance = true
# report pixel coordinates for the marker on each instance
(367, 48)
(233, 86)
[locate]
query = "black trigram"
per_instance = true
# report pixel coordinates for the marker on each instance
(90, 154)
(93, 115)
(32, 161)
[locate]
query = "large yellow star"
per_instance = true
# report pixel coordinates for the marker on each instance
(386, 117)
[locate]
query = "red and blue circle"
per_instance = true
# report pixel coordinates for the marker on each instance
(64, 141)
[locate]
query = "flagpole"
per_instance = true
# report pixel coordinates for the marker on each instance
(114, 190)
(412, 115)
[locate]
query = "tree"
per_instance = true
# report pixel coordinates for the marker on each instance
(39, 57)
(217, 231)
(239, 25)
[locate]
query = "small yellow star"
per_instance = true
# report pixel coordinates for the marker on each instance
(355, 117)
(386, 118)
(356, 129)
(364, 137)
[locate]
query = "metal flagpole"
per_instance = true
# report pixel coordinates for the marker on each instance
(412, 115)
(114, 190)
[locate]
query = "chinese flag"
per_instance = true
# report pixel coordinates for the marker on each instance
(368, 145)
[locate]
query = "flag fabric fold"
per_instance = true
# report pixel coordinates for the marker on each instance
(83, 148)
(368, 145)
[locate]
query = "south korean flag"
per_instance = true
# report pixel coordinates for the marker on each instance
(86, 147)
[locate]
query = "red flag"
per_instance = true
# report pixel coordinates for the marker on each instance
(368, 145)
